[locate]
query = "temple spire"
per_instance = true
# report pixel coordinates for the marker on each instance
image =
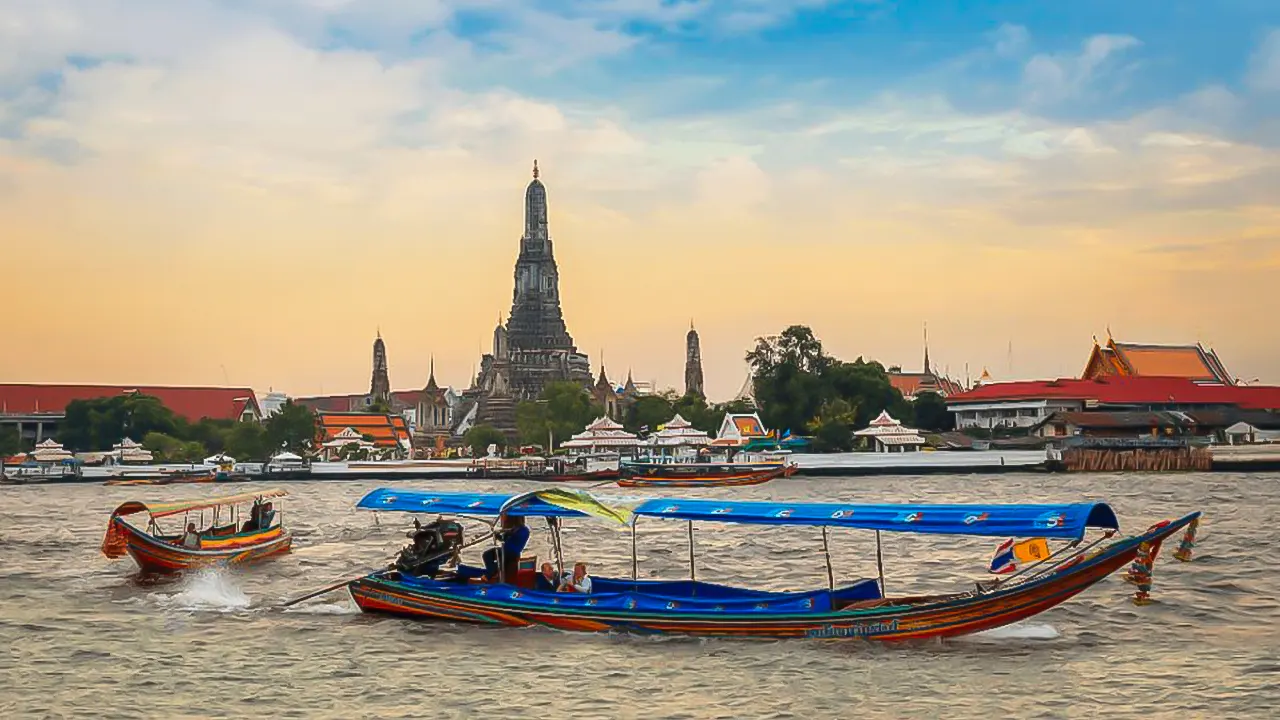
(535, 169)
(926, 349)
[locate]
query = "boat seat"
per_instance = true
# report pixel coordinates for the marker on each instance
(527, 574)
(221, 531)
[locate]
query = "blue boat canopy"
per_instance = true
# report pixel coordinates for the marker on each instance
(1049, 521)
(456, 503)
(1068, 521)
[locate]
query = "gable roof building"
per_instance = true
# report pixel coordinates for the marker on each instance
(192, 403)
(1194, 362)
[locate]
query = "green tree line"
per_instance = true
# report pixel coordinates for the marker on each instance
(799, 387)
(100, 423)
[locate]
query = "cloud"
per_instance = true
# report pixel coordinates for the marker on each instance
(1050, 79)
(1264, 66)
(1011, 40)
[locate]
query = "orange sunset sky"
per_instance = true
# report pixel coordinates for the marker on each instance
(226, 195)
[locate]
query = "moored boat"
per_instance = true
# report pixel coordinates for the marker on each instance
(708, 475)
(229, 543)
(860, 609)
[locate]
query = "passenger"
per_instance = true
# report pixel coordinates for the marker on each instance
(255, 519)
(547, 580)
(190, 538)
(580, 582)
(514, 536)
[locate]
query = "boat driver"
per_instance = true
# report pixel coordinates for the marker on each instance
(190, 538)
(514, 536)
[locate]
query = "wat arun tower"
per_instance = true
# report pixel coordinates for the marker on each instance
(534, 347)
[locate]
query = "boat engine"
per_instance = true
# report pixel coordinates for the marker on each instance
(433, 545)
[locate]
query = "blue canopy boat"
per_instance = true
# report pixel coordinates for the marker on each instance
(691, 607)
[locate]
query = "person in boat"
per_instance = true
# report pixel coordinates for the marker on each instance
(254, 522)
(514, 536)
(191, 538)
(547, 580)
(580, 582)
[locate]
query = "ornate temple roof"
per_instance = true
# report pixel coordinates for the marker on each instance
(1194, 362)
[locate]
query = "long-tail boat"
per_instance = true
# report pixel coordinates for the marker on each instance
(222, 541)
(860, 609)
(702, 474)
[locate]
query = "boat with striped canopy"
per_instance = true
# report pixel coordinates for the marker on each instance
(224, 540)
(861, 609)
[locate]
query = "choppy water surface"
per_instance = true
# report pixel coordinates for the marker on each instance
(84, 636)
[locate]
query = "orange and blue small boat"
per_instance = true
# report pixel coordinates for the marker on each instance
(231, 543)
(861, 609)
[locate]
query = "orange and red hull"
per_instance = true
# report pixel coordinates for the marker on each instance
(155, 554)
(659, 479)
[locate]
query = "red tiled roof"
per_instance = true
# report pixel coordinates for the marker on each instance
(192, 403)
(1140, 390)
(400, 399)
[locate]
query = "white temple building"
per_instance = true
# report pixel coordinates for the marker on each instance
(677, 437)
(601, 436)
(129, 450)
(888, 435)
(49, 452)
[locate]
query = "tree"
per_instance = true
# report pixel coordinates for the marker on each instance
(246, 441)
(480, 437)
(100, 423)
(931, 413)
(166, 448)
(833, 426)
(210, 433)
(10, 441)
(563, 409)
(293, 428)
(796, 384)
(648, 411)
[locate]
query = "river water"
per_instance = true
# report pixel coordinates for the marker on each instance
(84, 636)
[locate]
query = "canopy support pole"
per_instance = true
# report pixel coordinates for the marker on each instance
(555, 545)
(635, 562)
(880, 563)
(826, 550)
(693, 572)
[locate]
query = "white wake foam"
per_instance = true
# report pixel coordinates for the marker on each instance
(336, 608)
(1020, 631)
(206, 590)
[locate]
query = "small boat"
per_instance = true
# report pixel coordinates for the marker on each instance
(229, 543)
(162, 476)
(582, 469)
(646, 473)
(742, 476)
(860, 609)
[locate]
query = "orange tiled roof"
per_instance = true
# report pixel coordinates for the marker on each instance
(386, 430)
(1194, 362)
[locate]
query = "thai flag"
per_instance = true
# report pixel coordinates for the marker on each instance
(1003, 561)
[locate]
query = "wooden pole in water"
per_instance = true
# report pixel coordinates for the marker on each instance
(826, 550)
(880, 563)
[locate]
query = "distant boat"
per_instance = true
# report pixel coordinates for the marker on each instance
(228, 543)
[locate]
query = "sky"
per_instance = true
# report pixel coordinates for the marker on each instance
(246, 191)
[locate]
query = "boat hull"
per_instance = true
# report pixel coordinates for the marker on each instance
(658, 478)
(155, 555)
(593, 476)
(897, 619)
